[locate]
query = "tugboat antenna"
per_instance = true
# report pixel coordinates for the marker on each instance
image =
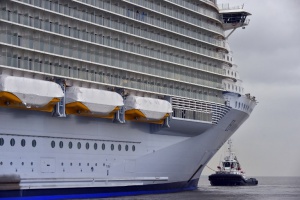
(230, 145)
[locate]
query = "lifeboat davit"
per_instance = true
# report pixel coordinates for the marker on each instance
(28, 93)
(146, 109)
(92, 102)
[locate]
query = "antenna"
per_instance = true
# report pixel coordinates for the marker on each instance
(230, 145)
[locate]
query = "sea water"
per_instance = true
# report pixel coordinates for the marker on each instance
(268, 188)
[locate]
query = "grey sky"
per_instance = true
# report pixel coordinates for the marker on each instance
(268, 55)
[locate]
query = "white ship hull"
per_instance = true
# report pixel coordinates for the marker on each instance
(173, 157)
(109, 98)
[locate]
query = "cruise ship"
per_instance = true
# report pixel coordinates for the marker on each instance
(103, 98)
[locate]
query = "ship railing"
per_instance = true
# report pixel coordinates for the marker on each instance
(246, 22)
(68, 72)
(39, 45)
(228, 7)
(161, 9)
(190, 114)
(17, 18)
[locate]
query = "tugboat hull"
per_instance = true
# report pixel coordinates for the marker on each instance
(230, 180)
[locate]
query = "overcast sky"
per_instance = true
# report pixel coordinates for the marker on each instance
(267, 53)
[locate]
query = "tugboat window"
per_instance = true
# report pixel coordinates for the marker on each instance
(226, 164)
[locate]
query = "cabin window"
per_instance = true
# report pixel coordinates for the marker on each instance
(79, 145)
(119, 147)
(87, 145)
(126, 147)
(61, 144)
(112, 147)
(95, 146)
(103, 146)
(133, 148)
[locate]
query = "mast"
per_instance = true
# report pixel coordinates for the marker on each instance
(230, 148)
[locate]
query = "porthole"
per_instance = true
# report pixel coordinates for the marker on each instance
(133, 148)
(79, 145)
(23, 142)
(103, 146)
(87, 145)
(33, 143)
(61, 144)
(95, 146)
(70, 145)
(119, 147)
(12, 142)
(1, 141)
(126, 147)
(112, 147)
(53, 144)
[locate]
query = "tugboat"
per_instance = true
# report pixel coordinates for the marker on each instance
(230, 174)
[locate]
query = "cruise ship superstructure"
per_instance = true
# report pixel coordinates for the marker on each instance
(114, 97)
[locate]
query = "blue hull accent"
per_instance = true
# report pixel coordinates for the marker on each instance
(100, 192)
